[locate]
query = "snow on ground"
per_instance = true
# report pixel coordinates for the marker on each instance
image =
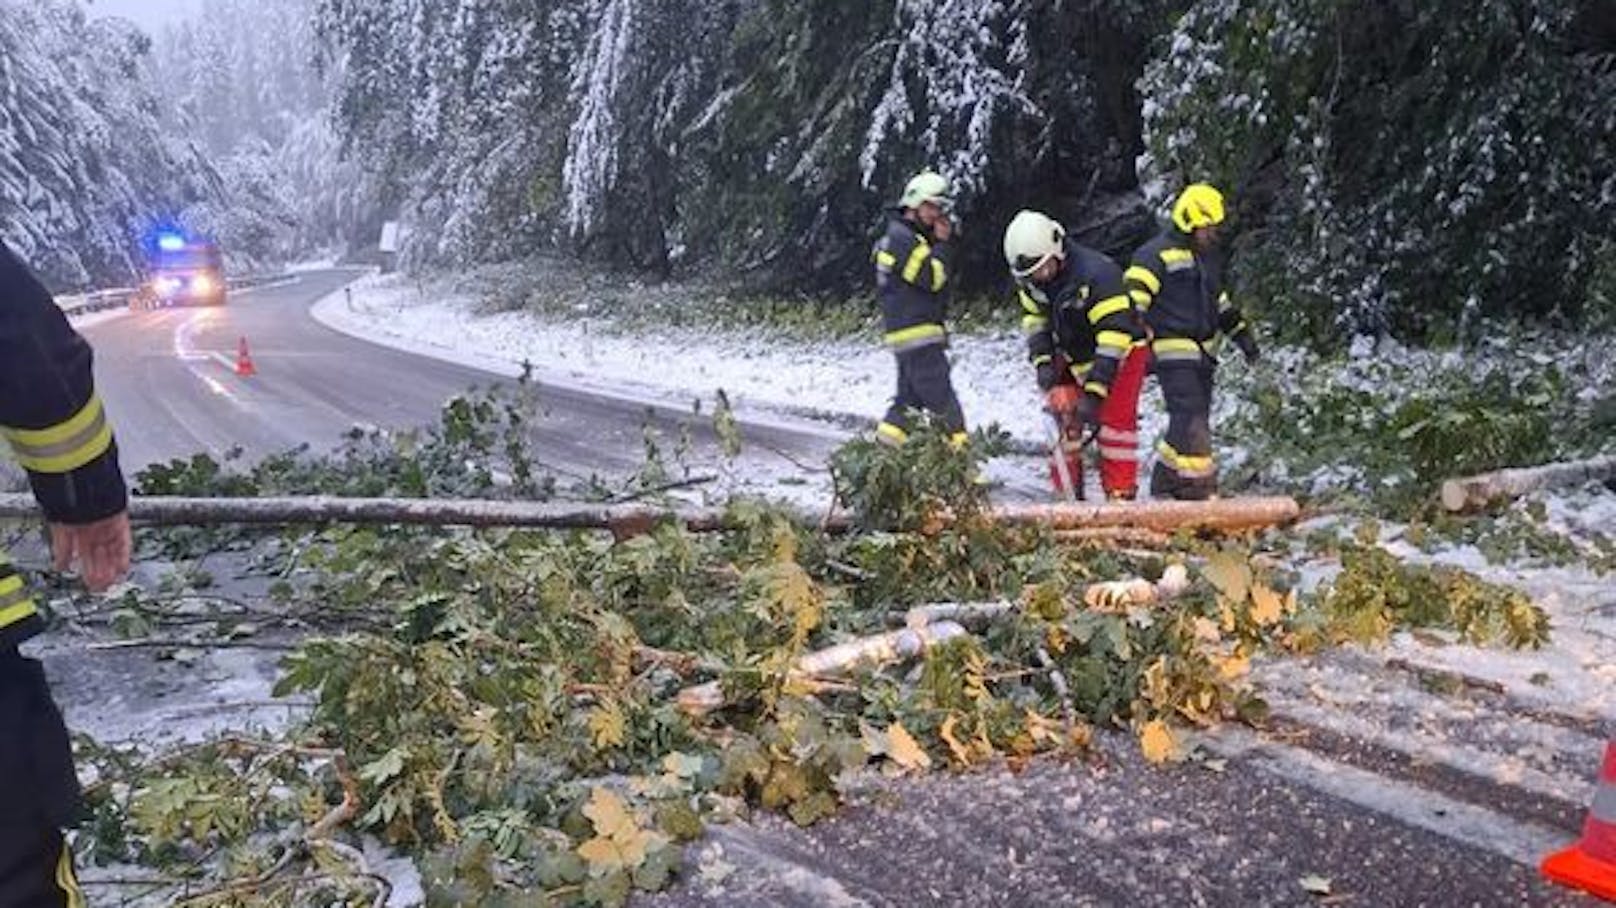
(319, 263)
(836, 378)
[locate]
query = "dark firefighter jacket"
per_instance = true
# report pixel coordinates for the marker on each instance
(911, 279)
(55, 425)
(1181, 294)
(1084, 314)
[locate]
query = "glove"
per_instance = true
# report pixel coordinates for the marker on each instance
(1088, 410)
(1048, 375)
(1063, 402)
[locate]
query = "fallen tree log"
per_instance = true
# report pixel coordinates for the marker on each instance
(1222, 514)
(881, 649)
(1116, 536)
(624, 520)
(1472, 493)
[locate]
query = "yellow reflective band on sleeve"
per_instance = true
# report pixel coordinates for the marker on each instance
(1240, 327)
(917, 257)
(915, 336)
(939, 276)
(1176, 345)
(885, 259)
(1172, 256)
(1144, 276)
(1034, 324)
(1140, 298)
(1029, 304)
(15, 603)
(65, 446)
(1108, 307)
(1041, 358)
(1119, 341)
(1079, 370)
(1097, 389)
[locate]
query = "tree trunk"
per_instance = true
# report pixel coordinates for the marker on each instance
(626, 520)
(1223, 514)
(1228, 515)
(1472, 493)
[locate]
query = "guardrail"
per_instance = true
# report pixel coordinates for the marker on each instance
(120, 297)
(97, 301)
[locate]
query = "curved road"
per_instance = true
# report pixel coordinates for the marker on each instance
(170, 385)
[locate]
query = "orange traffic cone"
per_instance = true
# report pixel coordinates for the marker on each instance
(244, 363)
(1590, 865)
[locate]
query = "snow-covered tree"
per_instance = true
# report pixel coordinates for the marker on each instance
(86, 165)
(1410, 166)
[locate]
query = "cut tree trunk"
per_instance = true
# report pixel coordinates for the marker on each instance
(624, 520)
(1472, 493)
(1223, 514)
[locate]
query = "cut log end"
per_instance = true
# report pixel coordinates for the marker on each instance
(1472, 493)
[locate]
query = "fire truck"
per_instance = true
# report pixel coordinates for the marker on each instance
(185, 271)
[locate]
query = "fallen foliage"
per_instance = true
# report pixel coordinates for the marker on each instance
(505, 705)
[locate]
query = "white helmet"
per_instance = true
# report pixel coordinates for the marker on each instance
(927, 186)
(1032, 239)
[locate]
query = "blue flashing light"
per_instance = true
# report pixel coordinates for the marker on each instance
(171, 242)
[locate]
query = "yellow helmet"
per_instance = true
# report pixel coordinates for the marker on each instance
(927, 186)
(1031, 240)
(1199, 205)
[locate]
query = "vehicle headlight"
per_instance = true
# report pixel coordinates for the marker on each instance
(203, 284)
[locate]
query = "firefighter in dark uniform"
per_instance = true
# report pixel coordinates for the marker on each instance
(911, 277)
(1081, 330)
(58, 432)
(1176, 279)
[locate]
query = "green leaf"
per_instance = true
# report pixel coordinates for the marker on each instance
(384, 768)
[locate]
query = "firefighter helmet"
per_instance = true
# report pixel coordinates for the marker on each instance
(1199, 205)
(1031, 240)
(927, 186)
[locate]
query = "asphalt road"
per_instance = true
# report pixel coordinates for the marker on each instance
(168, 377)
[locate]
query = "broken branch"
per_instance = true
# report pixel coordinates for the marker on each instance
(841, 658)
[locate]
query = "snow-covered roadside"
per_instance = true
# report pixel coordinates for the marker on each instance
(833, 378)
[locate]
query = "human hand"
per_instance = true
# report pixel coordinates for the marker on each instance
(101, 549)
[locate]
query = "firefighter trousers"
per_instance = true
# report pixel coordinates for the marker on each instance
(1184, 466)
(1117, 435)
(1119, 427)
(924, 384)
(42, 794)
